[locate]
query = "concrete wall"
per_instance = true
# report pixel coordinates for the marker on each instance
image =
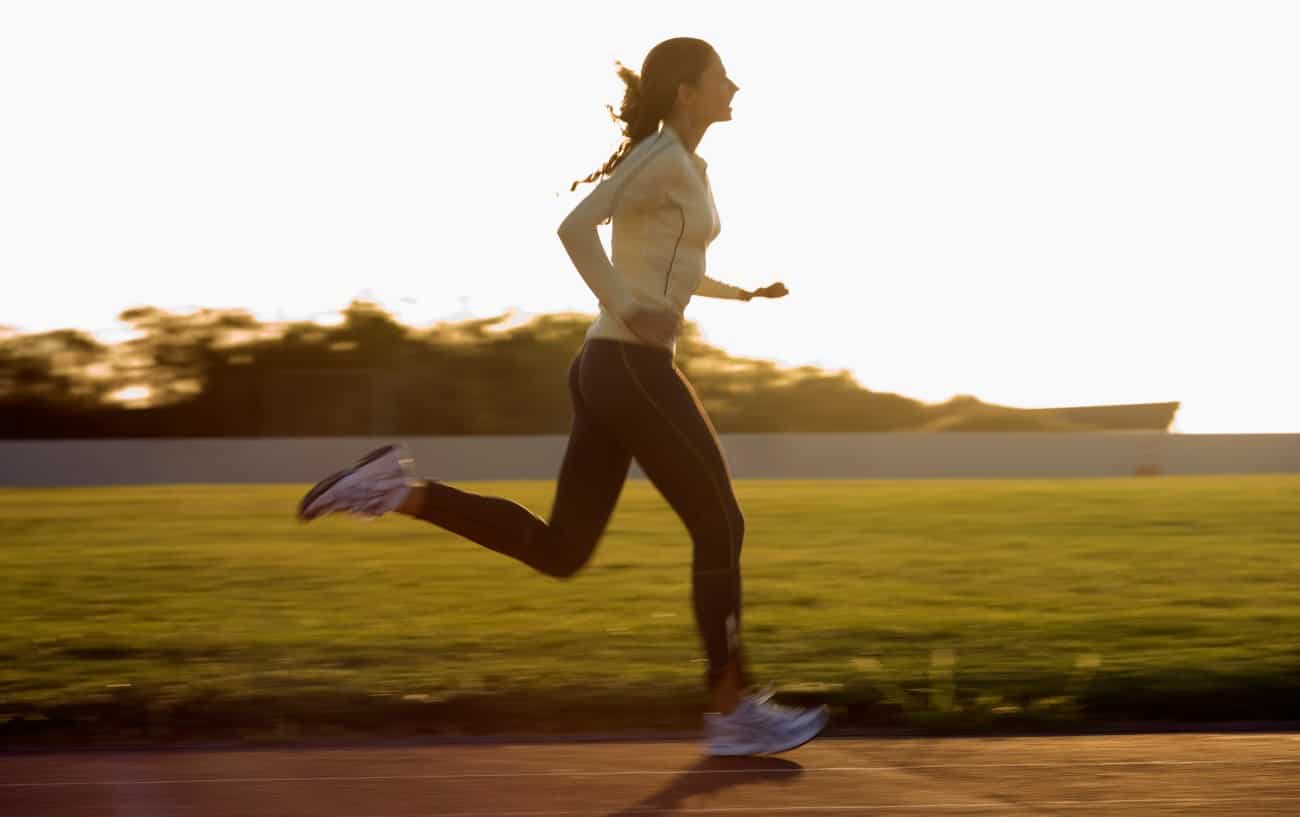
(766, 456)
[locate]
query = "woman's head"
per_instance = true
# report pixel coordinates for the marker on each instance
(682, 76)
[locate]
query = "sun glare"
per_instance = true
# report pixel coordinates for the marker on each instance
(131, 395)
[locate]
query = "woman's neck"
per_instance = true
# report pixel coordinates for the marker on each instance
(689, 132)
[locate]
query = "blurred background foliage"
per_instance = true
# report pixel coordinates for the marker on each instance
(222, 372)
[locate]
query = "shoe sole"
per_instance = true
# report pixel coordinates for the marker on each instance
(329, 482)
(762, 752)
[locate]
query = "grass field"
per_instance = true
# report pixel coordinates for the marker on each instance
(202, 610)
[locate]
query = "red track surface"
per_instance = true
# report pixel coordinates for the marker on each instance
(1236, 775)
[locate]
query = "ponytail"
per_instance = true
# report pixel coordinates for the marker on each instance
(639, 119)
(648, 98)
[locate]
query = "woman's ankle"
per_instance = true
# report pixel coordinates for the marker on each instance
(415, 500)
(727, 690)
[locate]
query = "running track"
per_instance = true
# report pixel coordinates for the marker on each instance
(1228, 775)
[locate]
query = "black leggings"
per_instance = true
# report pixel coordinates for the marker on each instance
(629, 401)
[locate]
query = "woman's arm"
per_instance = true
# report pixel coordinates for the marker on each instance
(580, 239)
(636, 181)
(710, 288)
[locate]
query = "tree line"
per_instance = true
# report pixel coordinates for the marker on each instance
(221, 372)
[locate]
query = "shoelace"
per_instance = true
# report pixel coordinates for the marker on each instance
(770, 710)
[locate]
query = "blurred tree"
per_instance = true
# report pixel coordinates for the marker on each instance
(64, 366)
(221, 372)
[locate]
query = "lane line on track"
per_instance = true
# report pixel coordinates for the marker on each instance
(650, 773)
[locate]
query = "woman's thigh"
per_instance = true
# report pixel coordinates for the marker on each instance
(591, 479)
(650, 407)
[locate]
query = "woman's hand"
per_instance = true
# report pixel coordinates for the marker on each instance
(656, 326)
(776, 290)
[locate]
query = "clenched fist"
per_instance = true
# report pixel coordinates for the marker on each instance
(776, 290)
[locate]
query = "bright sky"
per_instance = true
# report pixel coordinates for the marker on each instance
(1039, 203)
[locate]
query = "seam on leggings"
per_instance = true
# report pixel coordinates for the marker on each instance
(686, 441)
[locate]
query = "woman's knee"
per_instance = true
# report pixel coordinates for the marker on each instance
(567, 556)
(567, 567)
(735, 524)
(738, 527)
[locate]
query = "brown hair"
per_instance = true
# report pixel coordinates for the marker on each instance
(649, 97)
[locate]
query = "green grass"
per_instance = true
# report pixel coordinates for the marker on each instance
(194, 610)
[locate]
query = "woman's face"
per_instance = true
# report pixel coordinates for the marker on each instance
(709, 99)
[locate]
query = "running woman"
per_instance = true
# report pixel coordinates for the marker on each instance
(629, 398)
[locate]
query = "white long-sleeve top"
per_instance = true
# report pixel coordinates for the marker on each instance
(663, 216)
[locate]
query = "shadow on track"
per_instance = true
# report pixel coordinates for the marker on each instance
(713, 774)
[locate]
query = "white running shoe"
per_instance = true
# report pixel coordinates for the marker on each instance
(759, 727)
(377, 484)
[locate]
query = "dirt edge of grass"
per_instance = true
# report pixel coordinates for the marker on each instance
(136, 719)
